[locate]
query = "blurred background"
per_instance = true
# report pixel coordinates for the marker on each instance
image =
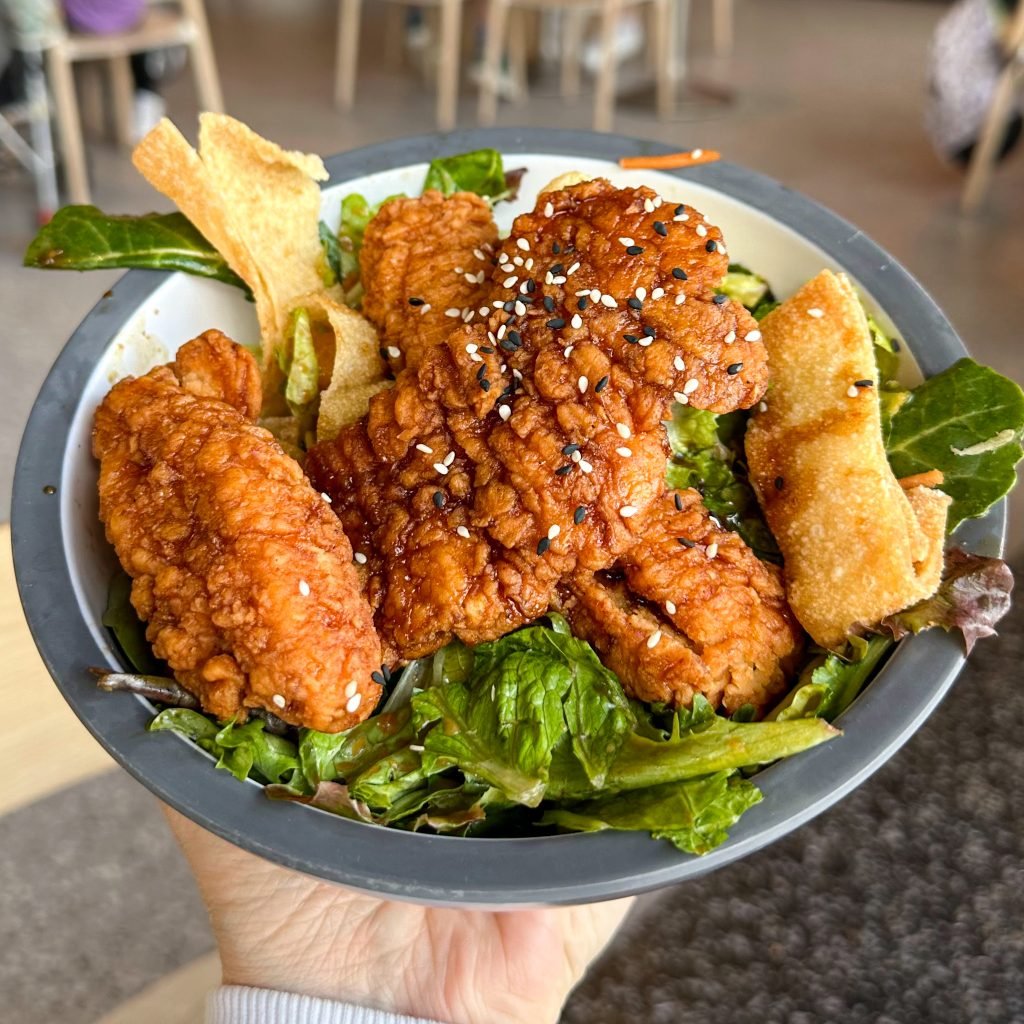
(905, 903)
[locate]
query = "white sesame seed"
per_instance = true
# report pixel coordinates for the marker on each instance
(567, 351)
(681, 216)
(627, 511)
(623, 430)
(553, 531)
(576, 321)
(576, 457)
(549, 209)
(462, 532)
(607, 300)
(353, 703)
(425, 308)
(712, 550)
(517, 261)
(303, 588)
(679, 364)
(507, 267)
(572, 269)
(649, 205)
(815, 312)
(360, 558)
(645, 341)
(658, 293)
(518, 374)
(351, 688)
(449, 458)
(721, 249)
(752, 336)
(701, 230)
(853, 391)
(471, 278)
(504, 411)
(670, 607)
(483, 311)
(459, 270)
(658, 201)
(548, 277)
(585, 467)
(441, 468)
(475, 358)
(690, 386)
(478, 254)
(453, 312)
(730, 337)
(480, 277)
(497, 303)
(523, 244)
(529, 263)
(623, 451)
(762, 406)
(509, 282)
(558, 279)
(326, 497)
(697, 154)
(641, 293)
(278, 700)
(580, 294)
(680, 298)
(625, 240)
(468, 315)
(520, 308)
(595, 294)
(425, 448)
(503, 367)
(501, 332)
(654, 638)
(583, 384)
(681, 398)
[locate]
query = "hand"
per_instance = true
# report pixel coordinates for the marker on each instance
(279, 929)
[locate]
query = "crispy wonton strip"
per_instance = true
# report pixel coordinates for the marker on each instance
(856, 547)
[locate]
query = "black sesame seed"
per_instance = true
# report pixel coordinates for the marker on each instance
(679, 274)
(438, 497)
(564, 470)
(485, 385)
(557, 268)
(507, 393)
(383, 353)
(631, 338)
(516, 338)
(569, 449)
(549, 303)
(779, 483)
(734, 368)
(556, 248)
(378, 677)
(387, 673)
(680, 209)
(508, 345)
(864, 383)
(414, 301)
(660, 228)
(542, 545)
(679, 502)
(531, 285)
(650, 332)
(509, 306)
(579, 515)
(481, 372)
(634, 250)
(720, 300)
(601, 385)
(634, 303)
(711, 245)
(556, 324)
(686, 542)
(582, 304)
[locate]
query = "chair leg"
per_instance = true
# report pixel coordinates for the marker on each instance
(346, 59)
(664, 35)
(497, 20)
(518, 55)
(722, 27)
(572, 43)
(204, 65)
(123, 96)
(983, 159)
(448, 69)
(62, 84)
(604, 100)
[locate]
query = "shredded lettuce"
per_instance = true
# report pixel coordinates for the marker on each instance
(481, 171)
(746, 287)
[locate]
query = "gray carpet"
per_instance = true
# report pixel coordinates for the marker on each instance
(903, 904)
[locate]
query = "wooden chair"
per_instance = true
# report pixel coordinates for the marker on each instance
(983, 159)
(722, 26)
(163, 25)
(449, 46)
(575, 14)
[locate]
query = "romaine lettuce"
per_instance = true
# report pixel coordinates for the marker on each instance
(481, 171)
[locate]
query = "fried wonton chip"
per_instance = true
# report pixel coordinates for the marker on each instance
(856, 546)
(564, 180)
(257, 204)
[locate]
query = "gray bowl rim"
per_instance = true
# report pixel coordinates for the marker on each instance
(444, 870)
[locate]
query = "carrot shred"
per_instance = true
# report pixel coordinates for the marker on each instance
(669, 161)
(932, 478)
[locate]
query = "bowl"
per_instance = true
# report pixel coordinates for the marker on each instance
(63, 563)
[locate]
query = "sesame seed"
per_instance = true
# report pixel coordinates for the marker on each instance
(701, 230)
(635, 250)
(579, 515)
(501, 332)
(681, 398)
(425, 448)
(353, 703)
(567, 351)
(816, 313)
(779, 483)
(542, 545)
(686, 542)
(564, 470)
(478, 254)
(326, 497)
(517, 374)
(529, 265)
(278, 700)
(441, 468)
(645, 341)
(425, 308)
(679, 364)
(631, 338)
(504, 411)
(623, 451)
(517, 261)
(572, 270)
(670, 607)
(659, 226)
(520, 308)
(523, 244)
(697, 154)
(483, 311)
(582, 291)
(649, 205)
(641, 293)
(690, 386)
(730, 337)
(762, 406)
(654, 638)
(475, 358)
(549, 304)
(576, 321)
(352, 685)
(720, 300)
(570, 448)
(509, 282)
(733, 368)
(438, 498)
(681, 208)
(413, 301)
(506, 268)
(549, 278)
(470, 278)
(628, 511)
(595, 295)
(498, 303)
(712, 550)
(485, 385)
(681, 217)
(449, 458)
(303, 588)
(459, 270)
(360, 558)
(462, 532)
(583, 384)
(623, 430)
(601, 385)
(853, 391)
(560, 279)
(585, 466)
(556, 248)
(634, 303)
(649, 331)
(679, 274)
(680, 298)
(576, 457)
(549, 209)
(658, 293)
(678, 502)
(864, 383)
(394, 352)
(711, 245)
(553, 531)
(607, 300)
(556, 324)
(626, 240)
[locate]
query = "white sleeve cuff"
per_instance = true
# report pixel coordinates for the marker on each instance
(237, 1004)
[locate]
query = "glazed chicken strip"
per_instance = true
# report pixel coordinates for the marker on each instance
(690, 609)
(528, 448)
(240, 569)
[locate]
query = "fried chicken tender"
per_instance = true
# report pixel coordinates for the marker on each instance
(240, 569)
(421, 258)
(690, 609)
(522, 450)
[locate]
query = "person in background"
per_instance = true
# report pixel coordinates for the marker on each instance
(295, 950)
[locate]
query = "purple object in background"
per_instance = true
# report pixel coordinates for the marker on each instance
(103, 17)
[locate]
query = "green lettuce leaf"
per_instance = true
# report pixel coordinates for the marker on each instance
(302, 369)
(695, 815)
(973, 596)
(481, 171)
(745, 287)
(330, 269)
(129, 631)
(967, 422)
(85, 238)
